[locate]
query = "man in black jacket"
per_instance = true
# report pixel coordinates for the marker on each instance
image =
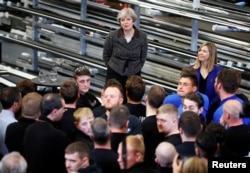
(82, 76)
(43, 144)
(77, 159)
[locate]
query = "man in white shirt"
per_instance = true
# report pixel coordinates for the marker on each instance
(10, 98)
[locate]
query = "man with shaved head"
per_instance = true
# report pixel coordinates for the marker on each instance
(237, 138)
(164, 156)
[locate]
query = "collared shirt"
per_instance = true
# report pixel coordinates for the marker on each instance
(6, 117)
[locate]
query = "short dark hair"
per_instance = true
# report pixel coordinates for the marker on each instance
(188, 71)
(69, 91)
(207, 143)
(196, 97)
(78, 147)
(50, 101)
(119, 116)
(100, 131)
(81, 71)
(8, 96)
(229, 79)
(135, 87)
(25, 86)
(192, 77)
(190, 122)
(114, 83)
(156, 95)
(217, 130)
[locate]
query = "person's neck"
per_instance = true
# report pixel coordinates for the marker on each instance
(223, 95)
(105, 146)
(35, 117)
(70, 105)
(150, 111)
(83, 93)
(235, 122)
(187, 139)
(132, 102)
(204, 65)
(175, 131)
(117, 130)
(129, 33)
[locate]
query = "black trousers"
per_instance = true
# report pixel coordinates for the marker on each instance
(111, 74)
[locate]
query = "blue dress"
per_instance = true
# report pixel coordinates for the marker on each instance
(210, 91)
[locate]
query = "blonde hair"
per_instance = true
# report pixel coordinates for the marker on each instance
(84, 112)
(126, 12)
(194, 164)
(212, 60)
(136, 143)
(169, 109)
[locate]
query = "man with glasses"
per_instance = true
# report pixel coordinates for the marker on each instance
(82, 76)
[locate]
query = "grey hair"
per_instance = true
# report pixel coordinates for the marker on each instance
(126, 11)
(13, 162)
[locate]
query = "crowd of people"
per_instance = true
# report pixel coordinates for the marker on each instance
(128, 129)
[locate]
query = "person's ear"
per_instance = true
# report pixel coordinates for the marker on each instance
(146, 98)
(76, 123)
(127, 124)
(181, 131)
(197, 151)
(156, 160)
(85, 160)
(138, 156)
(200, 110)
(219, 86)
(54, 113)
(120, 100)
(195, 88)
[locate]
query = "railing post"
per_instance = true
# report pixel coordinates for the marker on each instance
(83, 45)
(35, 37)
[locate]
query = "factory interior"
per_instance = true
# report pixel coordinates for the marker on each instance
(40, 35)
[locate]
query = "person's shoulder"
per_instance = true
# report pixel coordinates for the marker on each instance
(172, 96)
(13, 125)
(140, 31)
(91, 96)
(218, 67)
(35, 126)
(143, 34)
(133, 118)
(112, 33)
(204, 96)
(172, 99)
(242, 96)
